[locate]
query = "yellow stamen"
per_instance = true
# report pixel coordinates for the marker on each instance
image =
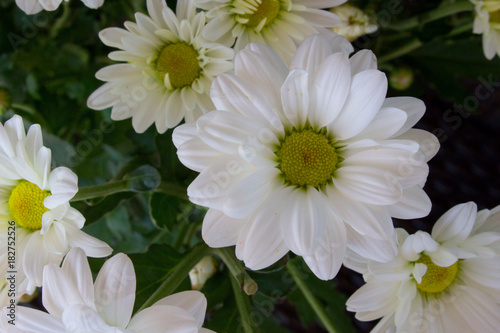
(267, 9)
(180, 62)
(307, 158)
(26, 205)
(437, 278)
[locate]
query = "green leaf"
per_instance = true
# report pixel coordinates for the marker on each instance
(164, 210)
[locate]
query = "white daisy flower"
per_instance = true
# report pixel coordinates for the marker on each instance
(35, 6)
(444, 282)
(167, 72)
(280, 24)
(76, 304)
(290, 155)
(487, 23)
(36, 220)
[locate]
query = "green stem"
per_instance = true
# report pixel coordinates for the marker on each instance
(433, 15)
(313, 302)
(60, 21)
(24, 107)
(173, 190)
(244, 280)
(178, 274)
(98, 191)
(243, 304)
(407, 48)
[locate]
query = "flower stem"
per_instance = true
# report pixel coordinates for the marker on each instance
(433, 15)
(313, 302)
(178, 274)
(245, 282)
(243, 304)
(98, 191)
(173, 190)
(407, 48)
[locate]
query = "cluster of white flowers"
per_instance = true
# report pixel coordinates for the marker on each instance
(298, 149)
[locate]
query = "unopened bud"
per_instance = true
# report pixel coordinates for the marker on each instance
(354, 23)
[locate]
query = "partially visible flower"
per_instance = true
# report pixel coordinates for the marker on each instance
(448, 281)
(167, 70)
(354, 23)
(36, 219)
(401, 78)
(309, 159)
(487, 23)
(36, 6)
(202, 272)
(76, 304)
(280, 24)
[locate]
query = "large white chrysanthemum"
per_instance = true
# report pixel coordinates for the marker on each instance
(445, 282)
(280, 24)
(37, 224)
(36, 6)
(76, 304)
(487, 23)
(168, 70)
(290, 155)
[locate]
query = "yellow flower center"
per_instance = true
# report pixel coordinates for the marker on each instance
(307, 158)
(267, 9)
(180, 62)
(437, 278)
(26, 205)
(495, 19)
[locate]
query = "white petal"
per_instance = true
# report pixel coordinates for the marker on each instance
(60, 291)
(330, 252)
(387, 122)
(414, 203)
(231, 93)
(35, 257)
(184, 133)
(295, 97)
(82, 318)
(373, 300)
(413, 107)
(417, 243)
(367, 93)
(264, 244)
(368, 185)
(163, 319)
(63, 184)
(196, 155)
(115, 290)
(249, 193)
(192, 301)
(92, 246)
(367, 220)
(220, 230)
(428, 144)
(30, 7)
(371, 248)
(77, 269)
(215, 182)
(304, 219)
(226, 131)
(362, 61)
(330, 89)
(31, 320)
(456, 224)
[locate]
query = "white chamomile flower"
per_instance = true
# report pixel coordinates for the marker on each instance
(167, 72)
(292, 154)
(487, 23)
(35, 6)
(36, 220)
(448, 281)
(354, 23)
(280, 24)
(77, 305)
